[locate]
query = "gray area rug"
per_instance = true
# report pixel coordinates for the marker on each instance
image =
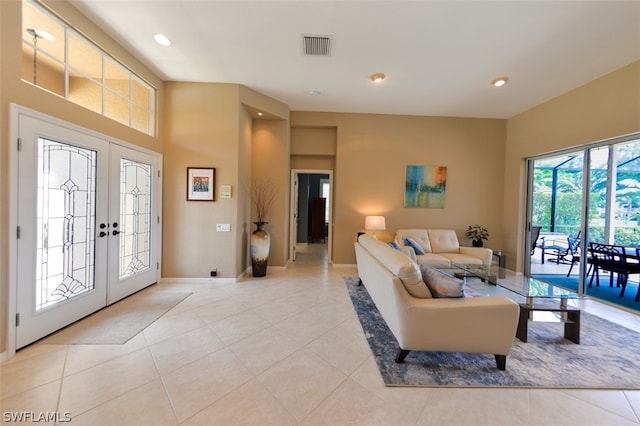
(116, 324)
(608, 356)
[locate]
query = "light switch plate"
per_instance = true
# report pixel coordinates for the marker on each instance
(223, 227)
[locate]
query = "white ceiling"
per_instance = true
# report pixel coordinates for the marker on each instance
(439, 56)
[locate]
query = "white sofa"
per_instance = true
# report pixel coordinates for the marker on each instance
(422, 323)
(441, 248)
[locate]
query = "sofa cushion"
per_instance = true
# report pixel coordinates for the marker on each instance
(435, 260)
(419, 235)
(441, 284)
(462, 259)
(444, 241)
(410, 242)
(399, 264)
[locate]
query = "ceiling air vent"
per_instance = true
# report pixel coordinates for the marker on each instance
(316, 45)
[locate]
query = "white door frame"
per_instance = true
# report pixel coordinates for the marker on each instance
(293, 205)
(15, 112)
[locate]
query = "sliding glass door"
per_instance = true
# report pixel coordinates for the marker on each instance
(556, 210)
(577, 197)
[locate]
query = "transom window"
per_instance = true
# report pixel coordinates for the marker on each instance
(58, 59)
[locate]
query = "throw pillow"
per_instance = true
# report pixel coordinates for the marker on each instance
(394, 245)
(441, 284)
(414, 245)
(409, 274)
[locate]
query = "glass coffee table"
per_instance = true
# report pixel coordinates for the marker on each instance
(530, 293)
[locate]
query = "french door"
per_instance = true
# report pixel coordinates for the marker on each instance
(134, 222)
(88, 225)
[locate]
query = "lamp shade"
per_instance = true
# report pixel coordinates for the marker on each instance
(374, 223)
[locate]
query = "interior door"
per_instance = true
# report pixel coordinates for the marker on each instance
(62, 195)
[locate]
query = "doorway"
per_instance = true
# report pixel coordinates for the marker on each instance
(311, 212)
(86, 211)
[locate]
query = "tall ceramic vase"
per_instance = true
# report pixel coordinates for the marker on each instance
(260, 243)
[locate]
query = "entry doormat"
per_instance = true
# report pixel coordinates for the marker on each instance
(606, 358)
(118, 323)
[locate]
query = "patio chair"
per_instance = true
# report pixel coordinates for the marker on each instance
(634, 268)
(535, 234)
(558, 252)
(610, 258)
(575, 255)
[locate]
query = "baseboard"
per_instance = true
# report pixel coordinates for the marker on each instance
(216, 280)
(344, 265)
(3, 357)
(198, 280)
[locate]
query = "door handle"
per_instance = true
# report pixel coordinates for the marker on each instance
(115, 232)
(102, 234)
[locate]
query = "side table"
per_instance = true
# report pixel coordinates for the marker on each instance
(502, 262)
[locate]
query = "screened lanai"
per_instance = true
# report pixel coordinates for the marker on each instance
(589, 197)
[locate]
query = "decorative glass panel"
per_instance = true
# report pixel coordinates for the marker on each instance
(135, 217)
(66, 222)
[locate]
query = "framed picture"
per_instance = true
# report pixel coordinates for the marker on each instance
(201, 184)
(425, 186)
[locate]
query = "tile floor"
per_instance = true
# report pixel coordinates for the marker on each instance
(286, 349)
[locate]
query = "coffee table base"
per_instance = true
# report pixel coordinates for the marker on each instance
(571, 322)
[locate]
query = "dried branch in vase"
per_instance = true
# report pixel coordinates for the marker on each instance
(263, 194)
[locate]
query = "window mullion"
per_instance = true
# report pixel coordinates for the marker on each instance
(66, 63)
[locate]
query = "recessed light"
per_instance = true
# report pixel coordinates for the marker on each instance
(313, 92)
(260, 114)
(162, 40)
(499, 82)
(378, 77)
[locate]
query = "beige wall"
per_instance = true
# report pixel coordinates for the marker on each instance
(313, 162)
(270, 161)
(243, 213)
(211, 125)
(201, 130)
(316, 141)
(13, 90)
(270, 146)
(605, 108)
(372, 152)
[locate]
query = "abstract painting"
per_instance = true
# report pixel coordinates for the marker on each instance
(425, 186)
